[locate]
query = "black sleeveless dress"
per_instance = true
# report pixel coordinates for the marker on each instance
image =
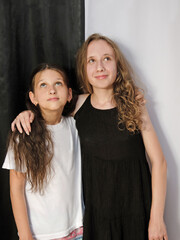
(116, 177)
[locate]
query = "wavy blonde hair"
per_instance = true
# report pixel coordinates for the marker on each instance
(124, 88)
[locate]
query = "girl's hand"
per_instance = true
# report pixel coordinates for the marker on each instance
(140, 97)
(157, 230)
(22, 122)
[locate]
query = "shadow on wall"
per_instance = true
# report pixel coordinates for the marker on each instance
(172, 198)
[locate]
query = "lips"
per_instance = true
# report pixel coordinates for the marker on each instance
(53, 99)
(101, 77)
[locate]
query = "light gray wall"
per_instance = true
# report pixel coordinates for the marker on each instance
(148, 33)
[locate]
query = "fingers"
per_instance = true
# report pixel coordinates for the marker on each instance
(13, 125)
(18, 125)
(165, 237)
(142, 101)
(157, 230)
(31, 119)
(162, 235)
(158, 238)
(23, 122)
(140, 97)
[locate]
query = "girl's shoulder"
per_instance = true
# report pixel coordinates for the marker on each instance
(71, 126)
(80, 101)
(70, 121)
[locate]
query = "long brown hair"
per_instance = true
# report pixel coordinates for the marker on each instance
(124, 88)
(33, 153)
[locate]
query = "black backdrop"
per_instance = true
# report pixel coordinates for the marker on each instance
(31, 32)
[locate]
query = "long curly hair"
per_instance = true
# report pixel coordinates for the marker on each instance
(33, 153)
(124, 88)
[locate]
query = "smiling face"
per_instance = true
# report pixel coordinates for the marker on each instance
(101, 66)
(50, 91)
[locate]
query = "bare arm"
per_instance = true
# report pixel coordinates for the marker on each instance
(23, 121)
(157, 228)
(17, 185)
(80, 101)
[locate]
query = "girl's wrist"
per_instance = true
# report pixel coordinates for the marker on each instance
(25, 236)
(156, 215)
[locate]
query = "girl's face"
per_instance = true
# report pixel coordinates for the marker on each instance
(50, 91)
(101, 65)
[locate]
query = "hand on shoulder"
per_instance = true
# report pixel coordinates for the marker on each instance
(139, 96)
(23, 122)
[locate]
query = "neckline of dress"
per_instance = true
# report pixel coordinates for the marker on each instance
(99, 109)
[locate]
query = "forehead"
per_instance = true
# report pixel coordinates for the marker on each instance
(99, 47)
(48, 74)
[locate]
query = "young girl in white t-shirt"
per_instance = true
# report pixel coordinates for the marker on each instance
(45, 166)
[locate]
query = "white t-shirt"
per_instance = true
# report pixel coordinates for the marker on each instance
(59, 211)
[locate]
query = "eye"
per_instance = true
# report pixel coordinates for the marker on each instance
(107, 58)
(58, 83)
(42, 85)
(91, 60)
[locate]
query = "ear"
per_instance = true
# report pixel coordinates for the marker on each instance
(32, 98)
(69, 94)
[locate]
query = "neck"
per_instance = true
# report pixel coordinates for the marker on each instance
(52, 117)
(103, 99)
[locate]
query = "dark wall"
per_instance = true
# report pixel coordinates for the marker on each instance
(31, 32)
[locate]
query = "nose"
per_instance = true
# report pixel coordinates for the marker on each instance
(52, 90)
(100, 66)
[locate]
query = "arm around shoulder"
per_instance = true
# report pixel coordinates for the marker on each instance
(80, 101)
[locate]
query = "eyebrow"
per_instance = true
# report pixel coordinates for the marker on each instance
(42, 80)
(106, 54)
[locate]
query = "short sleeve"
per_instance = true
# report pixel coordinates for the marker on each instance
(9, 162)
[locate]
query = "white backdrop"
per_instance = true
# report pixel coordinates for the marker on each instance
(148, 33)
